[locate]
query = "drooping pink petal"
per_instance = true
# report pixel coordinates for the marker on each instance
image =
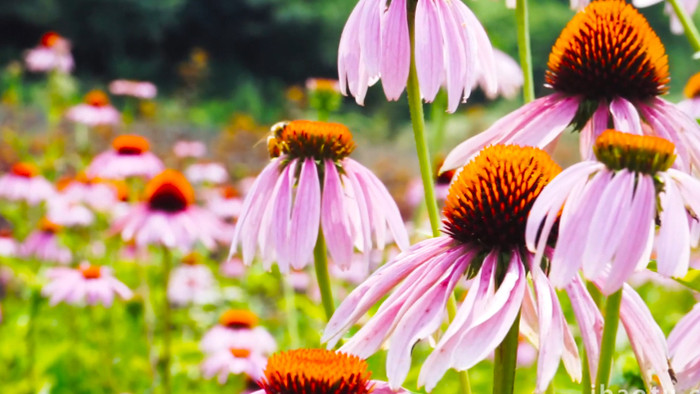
(590, 132)
(625, 116)
(370, 36)
(396, 49)
(673, 240)
(429, 49)
(303, 230)
(589, 319)
(483, 58)
(455, 55)
(683, 341)
(334, 219)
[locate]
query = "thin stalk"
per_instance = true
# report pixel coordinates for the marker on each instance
(506, 356)
(691, 31)
(167, 322)
(415, 106)
(292, 320)
(438, 119)
(586, 376)
(607, 349)
(324, 280)
(463, 375)
(521, 19)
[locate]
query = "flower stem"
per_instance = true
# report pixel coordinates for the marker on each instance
(691, 32)
(463, 375)
(415, 106)
(505, 360)
(167, 322)
(324, 280)
(524, 51)
(290, 306)
(607, 346)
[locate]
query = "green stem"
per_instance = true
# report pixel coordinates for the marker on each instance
(167, 322)
(463, 375)
(415, 106)
(586, 376)
(438, 118)
(691, 32)
(607, 349)
(290, 306)
(505, 360)
(524, 51)
(324, 280)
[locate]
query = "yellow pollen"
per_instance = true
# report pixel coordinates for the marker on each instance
(490, 198)
(608, 50)
(238, 318)
(316, 371)
(639, 153)
(311, 139)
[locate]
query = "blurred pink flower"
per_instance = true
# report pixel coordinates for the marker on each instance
(192, 283)
(24, 183)
(68, 213)
(90, 284)
(509, 77)
(485, 214)
(8, 244)
(129, 156)
(98, 194)
(238, 328)
(608, 223)
(53, 53)
(43, 244)
(138, 89)
(194, 149)
(594, 87)
(684, 350)
(232, 268)
(451, 47)
(348, 203)
(225, 202)
(233, 361)
(207, 172)
(95, 111)
(169, 216)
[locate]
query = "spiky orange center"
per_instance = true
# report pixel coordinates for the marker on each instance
(49, 39)
(311, 139)
(315, 371)
(90, 271)
(489, 200)
(639, 153)
(130, 144)
(692, 88)
(26, 170)
(240, 353)
(238, 318)
(97, 98)
(169, 191)
(608, 50)
(48, 226)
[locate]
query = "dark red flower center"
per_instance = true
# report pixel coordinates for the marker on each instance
(238, 318)
(130, 144)
(169, 191)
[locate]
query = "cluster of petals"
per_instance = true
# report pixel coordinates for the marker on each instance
(138, 89)
(53, 54)
(117, 164)
(94, 193)
(509, 77)
(195, 149)
(44, 245)
(68, 213)
(227, 362)
(684, 350)
(91, 115)
(207, 172)
(224, 202)
(192, 284)
(74, 286)
(451, 50)
(28, 187)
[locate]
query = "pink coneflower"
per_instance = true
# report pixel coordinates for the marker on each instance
(194, 149)
(207, 172)
(192, 283)
(43, 244)
(8, 244)
(607, 67)
(225, 202)
(451, 47)
(68, 213)
(129, 156)
(90, 284)
(485, 214)
(238, 328)
(138, 89)
(94, 192)
(53, 53)
(169, 217)
(305, 371)
(691, 105)
(611, 208)
(233, 361)
(95, 111)
(312, 185)
(509, 77)
(24, 183)
(684, 349)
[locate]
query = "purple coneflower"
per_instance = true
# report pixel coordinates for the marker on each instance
(304, 371)
(234, 361)
(607, 66)
(129, 156)
(183, 149)
(43, 244)
(485, 215)
(312, 185)
(138, 89)
(169, 216)
(238, 328)
(94, 192)
(95, 111)
(225, 202)
(451, 50)
(24, 183)
(90, 284)
(611, 208)
(53, 53)
(192, 283)
(207, 172)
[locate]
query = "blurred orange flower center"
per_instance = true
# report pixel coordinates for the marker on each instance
(50, 39)
(130, 144)
(90, 271)
(692, 88)
(48, 226)
(169, 191)
(240, 353)
(238, 318)
(97, 98)
(26, 170)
